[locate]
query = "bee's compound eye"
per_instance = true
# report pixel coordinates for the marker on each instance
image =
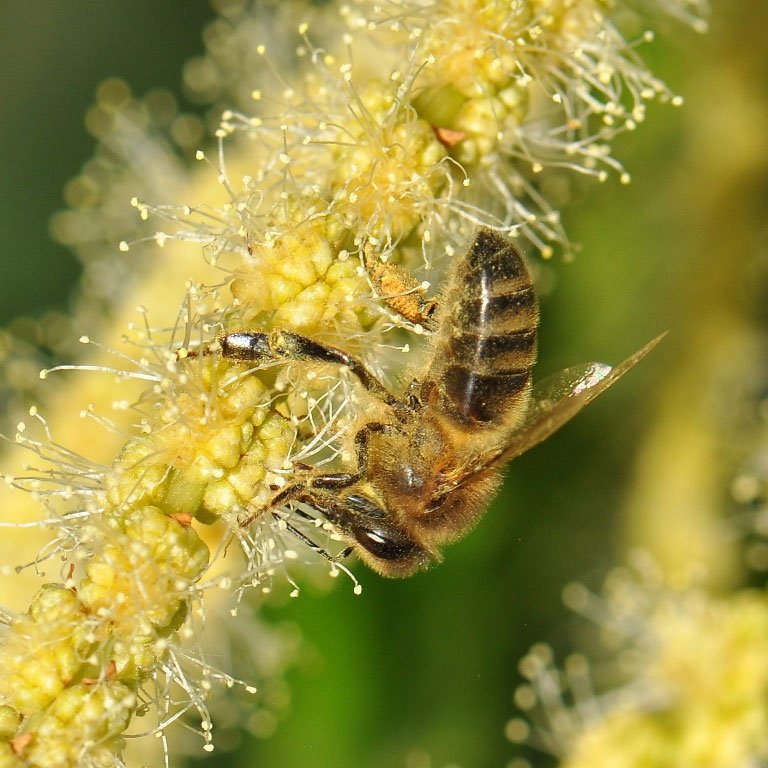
(385, 543)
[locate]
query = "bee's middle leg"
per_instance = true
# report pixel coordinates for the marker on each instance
(400, 290)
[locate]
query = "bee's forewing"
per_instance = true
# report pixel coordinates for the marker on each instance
(559, 398)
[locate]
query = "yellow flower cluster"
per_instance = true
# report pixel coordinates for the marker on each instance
(541, 83)
(83, 726)
(692, 679)
(69, 670)
(214, 440)
(93, 642)
(706, 686)
(302, 280)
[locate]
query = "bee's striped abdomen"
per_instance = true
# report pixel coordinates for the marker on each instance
(486, 345)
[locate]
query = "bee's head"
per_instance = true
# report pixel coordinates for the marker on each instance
(380, 543)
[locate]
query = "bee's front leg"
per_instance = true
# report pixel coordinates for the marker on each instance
(301, 493)
(314, 490)
(362, 521)
(322, 499)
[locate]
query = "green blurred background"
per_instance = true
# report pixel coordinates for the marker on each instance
(421, 673)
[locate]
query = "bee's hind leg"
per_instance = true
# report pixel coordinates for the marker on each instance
(267, 346)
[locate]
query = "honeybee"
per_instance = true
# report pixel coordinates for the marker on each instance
(429, 459)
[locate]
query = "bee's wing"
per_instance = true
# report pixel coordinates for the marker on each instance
(559, 398)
